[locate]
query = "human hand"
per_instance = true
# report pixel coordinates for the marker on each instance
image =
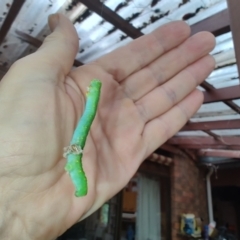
(148, 94)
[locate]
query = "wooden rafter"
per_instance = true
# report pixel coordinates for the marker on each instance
(209, 146)
(29, 39)
(204, 141)
(211, 91)
(233, 106)
(217, 24)
(220, 94)
(207, 86)
(171, 149)
(234, 9)
(112, 17)
(219, 153)
(190, 154)
(212, 134)
(12, 14)
(211, 125)
(37, 43)
(223, 94)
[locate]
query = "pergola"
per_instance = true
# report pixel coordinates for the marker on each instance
(208, 144)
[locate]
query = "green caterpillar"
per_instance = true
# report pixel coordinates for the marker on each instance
(74, 151)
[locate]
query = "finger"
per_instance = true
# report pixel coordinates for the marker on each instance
(173, 91)
(62, 44)
(137, 54)
(56, 55)
(160, 129)
(168, 65)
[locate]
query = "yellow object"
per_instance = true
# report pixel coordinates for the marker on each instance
(129, 201)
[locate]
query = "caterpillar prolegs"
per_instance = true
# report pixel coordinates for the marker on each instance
(74, 152)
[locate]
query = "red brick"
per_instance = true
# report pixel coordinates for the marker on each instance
(188, 192)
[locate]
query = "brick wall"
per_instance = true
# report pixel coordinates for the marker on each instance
(188, 192)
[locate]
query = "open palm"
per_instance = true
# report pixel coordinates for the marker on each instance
(148, 94)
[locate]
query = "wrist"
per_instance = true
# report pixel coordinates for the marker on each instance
(11, 225)
(3, 213)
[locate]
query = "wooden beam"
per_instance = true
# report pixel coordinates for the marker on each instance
(233, 106)
(222, 94)
(204, 141)
(171, 149)
(37, 43)
(219, 153)
(210, 133)
(112, 17)
(191, 154)
(219, 94)
(210, 125)
(207, 86)
(234, 10)
(220, 146)
(28, 39)
(12, 14)
(217, 24)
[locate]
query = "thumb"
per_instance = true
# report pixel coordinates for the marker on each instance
(59, 49)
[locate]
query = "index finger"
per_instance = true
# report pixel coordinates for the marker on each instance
(140, 52)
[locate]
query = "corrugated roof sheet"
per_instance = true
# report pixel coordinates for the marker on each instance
(100, 37)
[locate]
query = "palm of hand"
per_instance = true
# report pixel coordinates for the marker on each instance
(138, 111)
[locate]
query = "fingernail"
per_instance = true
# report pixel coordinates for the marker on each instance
(53, 21)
